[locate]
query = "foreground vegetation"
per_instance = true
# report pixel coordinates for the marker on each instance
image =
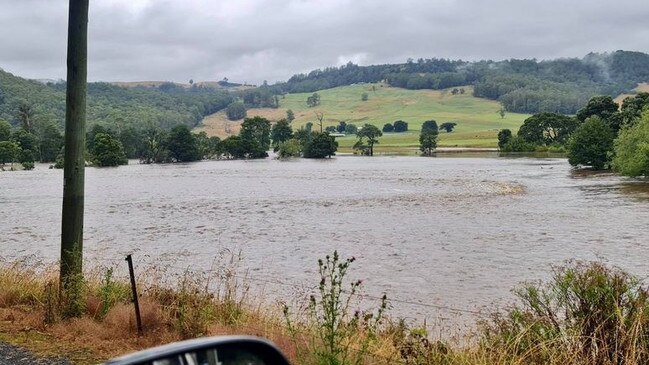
(585, 314)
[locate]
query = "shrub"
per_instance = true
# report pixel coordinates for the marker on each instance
(108, 151)
(313, 100)
(503, 137)
(587, 312)
(518, 144)
(320, 145)
(338, 337)
(182, 144)
(235, 111)
(388, 128)
(428, 141)
(632, 149)
(290, 148)
(111, 293)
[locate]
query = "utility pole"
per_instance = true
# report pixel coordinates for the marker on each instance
(74, 161)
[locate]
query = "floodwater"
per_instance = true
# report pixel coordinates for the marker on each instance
(456, 232)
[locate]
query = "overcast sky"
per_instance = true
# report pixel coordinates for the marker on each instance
(255, 40)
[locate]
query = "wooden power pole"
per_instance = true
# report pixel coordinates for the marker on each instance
(74, 159)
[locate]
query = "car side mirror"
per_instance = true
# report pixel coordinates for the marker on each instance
(226, 350)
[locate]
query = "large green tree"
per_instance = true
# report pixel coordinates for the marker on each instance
(448, 126)
(26, 116)
(108, 151)
(154, 148)
(27, 141)
(632, 107)
(131, 139)
(233, 147)
(428, 141)
(281, 132)
(632, 149)
(504, 135)
(255, 135)
(320, 145)
(351, 128)
(5, 130)
(591, 144)
(236, 111)
(430, 124)
(51, 142)
(367, 136)
(400, 126)
(603, 107)
(9, 152)
(547, 128)
(95, 130)
(205, 150)
(182, 145)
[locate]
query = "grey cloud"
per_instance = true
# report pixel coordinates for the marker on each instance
(255, 40)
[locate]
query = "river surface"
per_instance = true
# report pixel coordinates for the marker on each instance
(456, 232)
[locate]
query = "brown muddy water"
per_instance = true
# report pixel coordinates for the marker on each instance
(456, 232)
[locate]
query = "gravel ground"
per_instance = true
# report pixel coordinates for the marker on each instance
(12, 355)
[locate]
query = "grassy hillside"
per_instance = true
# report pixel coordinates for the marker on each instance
(477, 119)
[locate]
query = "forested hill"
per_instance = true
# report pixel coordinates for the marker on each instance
(164, 106)
(525, 86)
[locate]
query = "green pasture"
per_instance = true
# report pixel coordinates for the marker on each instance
(478, 121)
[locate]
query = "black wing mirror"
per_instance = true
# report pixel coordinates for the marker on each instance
(228, 350)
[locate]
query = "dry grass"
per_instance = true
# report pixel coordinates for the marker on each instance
(219, 125)
(588, 314)
(30, 316)
(641, 88)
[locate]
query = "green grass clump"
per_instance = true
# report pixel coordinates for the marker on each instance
(587, 314)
